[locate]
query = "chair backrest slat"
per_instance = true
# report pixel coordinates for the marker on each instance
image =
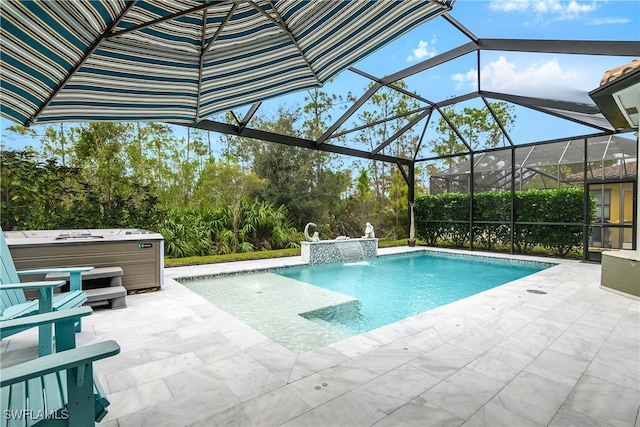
(8, 274)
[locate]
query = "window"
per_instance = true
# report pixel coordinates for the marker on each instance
(603, 212)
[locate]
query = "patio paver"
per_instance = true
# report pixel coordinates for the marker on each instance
(502, 357)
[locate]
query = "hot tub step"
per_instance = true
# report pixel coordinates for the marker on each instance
(113, 273)
(113, 295)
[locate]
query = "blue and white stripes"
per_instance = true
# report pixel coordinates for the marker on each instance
(58, 54)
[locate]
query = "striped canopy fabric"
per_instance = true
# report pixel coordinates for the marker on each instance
(182, 60)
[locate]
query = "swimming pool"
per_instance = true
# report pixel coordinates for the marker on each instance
(311, 306)
(392, 288)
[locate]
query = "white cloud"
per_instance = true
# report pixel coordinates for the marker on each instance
(556, 9)
(543, 80)
(424, 50)
(467, 80)
(608, 21)
(546, 6)
(510, 5)
(575, 7)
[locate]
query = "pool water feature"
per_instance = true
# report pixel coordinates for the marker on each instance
(307, 307)
(351, 250)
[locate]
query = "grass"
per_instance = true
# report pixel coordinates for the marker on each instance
(244, 256)
(248, 256)
(536, 250)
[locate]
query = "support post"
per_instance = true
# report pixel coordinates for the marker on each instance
(471, 193)
(411, 182)
(636, 224)
(512, 217)
(585, 204)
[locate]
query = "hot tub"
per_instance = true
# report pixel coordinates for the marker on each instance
(140, 253)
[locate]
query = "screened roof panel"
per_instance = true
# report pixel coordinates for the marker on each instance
(493, 162)
(610, 147)
(503, 72)
(549, 154)
(596, 120)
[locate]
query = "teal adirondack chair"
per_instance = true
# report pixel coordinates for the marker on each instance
(57, 389)
(13, 303)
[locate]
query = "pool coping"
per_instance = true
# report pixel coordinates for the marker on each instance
(243, 267)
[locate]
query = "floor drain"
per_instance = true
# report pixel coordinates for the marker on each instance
(536, 291)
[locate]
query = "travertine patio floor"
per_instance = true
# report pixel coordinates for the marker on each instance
(505, 357)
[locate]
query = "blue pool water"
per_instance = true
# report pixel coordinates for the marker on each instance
(391, 288)
(307, 307)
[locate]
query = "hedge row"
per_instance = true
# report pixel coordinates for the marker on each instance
(446, 217)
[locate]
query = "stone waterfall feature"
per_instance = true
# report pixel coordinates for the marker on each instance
(336, 251)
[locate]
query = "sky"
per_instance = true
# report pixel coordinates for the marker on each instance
(552, 76)
(571, 76)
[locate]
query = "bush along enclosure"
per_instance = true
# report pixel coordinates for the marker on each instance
(552, 219)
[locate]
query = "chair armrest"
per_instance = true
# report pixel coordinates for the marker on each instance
(33, 285)
(54, 270)
(23, 323)
(45, 292)
(57, 362)
(75, 274)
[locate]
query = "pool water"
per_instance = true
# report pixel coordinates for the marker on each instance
(391, 288)
(308, 307)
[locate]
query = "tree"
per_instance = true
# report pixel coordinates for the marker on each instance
(359, 206)
(318, 107)
(35, 195)
(363, 186)
(98, 148)
(303, 180)
(389, 111)
(476, 125)
(155, 157)
(54, 144)
(308, 192)
(224, 183)
(396, 213)
(45, 195)
(22, 130)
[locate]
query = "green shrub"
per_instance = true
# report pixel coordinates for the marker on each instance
(436, 215)
(443, 210)
(491, 207)
(427, 208)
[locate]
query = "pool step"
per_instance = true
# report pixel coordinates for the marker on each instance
(272, 304)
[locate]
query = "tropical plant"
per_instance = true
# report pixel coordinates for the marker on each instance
(203, 231)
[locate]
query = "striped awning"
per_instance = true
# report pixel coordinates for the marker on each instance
(182, 60)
